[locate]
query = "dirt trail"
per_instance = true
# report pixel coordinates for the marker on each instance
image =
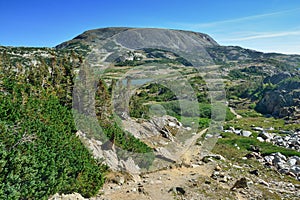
(191, 149)
(156, 185)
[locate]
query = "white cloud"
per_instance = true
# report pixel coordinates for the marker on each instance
(237, 20)
(267, 32)
(266, 35)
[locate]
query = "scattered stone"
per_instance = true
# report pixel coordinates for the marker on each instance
(218, 168)
(291, 174)
(253, 155)
(238, 132)
(236, 166)
(258, 129)
(269, 159)
(254, 172)
(218, 157)
(215, 175)
(260, 139)
(145, 176)
(172, 124)
(279, 156)
(188, 128)
(209, 135)
(241, 183)
(121, 180)
(265, 135)
(237, 146)
(292, 161)
(76, 196)
(177, 190)
(295, 169)
(141, 188)
(262, 182)
(254, 148)
(289, 166)
(224, 179)
(246, 133)
(209, 158)
(180, 190)
(195, 165)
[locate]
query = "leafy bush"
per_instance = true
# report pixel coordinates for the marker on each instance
(40, 153)
(237, 74)
(130, 146)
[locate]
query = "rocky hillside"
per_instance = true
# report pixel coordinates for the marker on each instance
(282, 100)
(135, 47)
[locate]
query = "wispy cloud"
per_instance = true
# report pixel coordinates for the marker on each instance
(266, 35)
(241, 19)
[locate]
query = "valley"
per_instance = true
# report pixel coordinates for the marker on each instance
(129, 113)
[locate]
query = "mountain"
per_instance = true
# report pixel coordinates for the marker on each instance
(148, 113)
(135, 46)
(129, 36)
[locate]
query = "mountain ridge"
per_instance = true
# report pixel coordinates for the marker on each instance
(104, 33)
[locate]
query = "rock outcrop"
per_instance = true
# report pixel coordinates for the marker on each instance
(284, 99)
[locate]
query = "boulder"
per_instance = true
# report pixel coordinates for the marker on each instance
(265, 135)
(262, 182)
(295, 170)
(258, 129)
(292, 161)
(241, 183)
(279, 155)
(269, 159)
(254, 172)
(178, 190)
(260, 139)
(246, 133)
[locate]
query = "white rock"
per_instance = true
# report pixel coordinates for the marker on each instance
(260, 139)
(172, 124)
(209, 135)
(258, 128)
(295, 170)
(279, 155)
(269, 159)
(265, 135)
(291, 161)
(188, 128)
(260, 181)
(236, 166)
(271, 129)
(195, 165)
(246, 133)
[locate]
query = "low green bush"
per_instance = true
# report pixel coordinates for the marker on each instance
(40, 153)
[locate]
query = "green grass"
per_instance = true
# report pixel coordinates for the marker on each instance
(230, 139)
(248, 112)
(247, 123)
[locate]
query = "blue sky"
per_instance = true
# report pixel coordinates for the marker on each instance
(265, 25)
